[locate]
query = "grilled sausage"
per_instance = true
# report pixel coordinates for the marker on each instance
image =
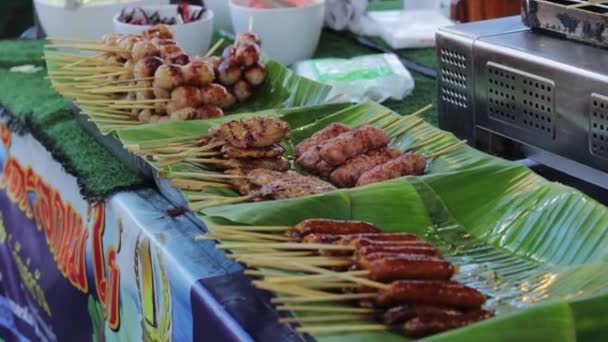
(327, 226)
(331, 131)
(399, 249)
(431, 292)
(346, 176)
(338, 150)
(385, 267)
(409, 164)
(427, 324)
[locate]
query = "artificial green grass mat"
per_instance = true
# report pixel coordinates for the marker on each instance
(47, 115)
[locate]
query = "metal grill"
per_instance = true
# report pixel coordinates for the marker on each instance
(454, 77)
(598, 126)
(521, 98)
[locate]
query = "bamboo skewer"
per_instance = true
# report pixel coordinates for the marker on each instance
(406, 128)
(288, 246)
(231, 200)
(321, 319)
(214, 47)
(361, 281)
(301, 292)
(313, 278)
(448, 149)
(196, 185)
(312, 308)
(326, 298)
(253, 228)
(341, 328)
(406, 117)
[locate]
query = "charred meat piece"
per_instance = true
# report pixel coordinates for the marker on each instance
(327, 226)
(402, 313)
(276, 164)
(430, 323)
(431, 292)
(331, 131)
(409, 164)
(338, 150)
(310, 159)
(273, 151)
(283, 185)
(251, 132)
(346, 176)
(242, 185)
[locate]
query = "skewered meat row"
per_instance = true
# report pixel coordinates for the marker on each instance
(284, 185)
(419, 298)
(155, 54)
(356, 157)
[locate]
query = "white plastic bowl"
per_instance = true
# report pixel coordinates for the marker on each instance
(288, 34)
(87, 22)
(194, 37)
(221, 11)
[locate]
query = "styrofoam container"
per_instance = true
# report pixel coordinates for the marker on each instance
(90, 21)
(194, 37)
(288, 34)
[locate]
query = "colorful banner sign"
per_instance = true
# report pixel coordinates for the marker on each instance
(128, 269)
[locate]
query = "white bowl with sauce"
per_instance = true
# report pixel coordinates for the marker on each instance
(194, 37)
(289, 34)
(90, 21)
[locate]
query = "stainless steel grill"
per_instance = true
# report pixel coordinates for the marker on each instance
(503, 84)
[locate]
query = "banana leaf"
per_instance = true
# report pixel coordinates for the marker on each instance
(537, 249)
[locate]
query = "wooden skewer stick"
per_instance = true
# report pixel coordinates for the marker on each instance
(341, 328)
(344, 276)
(103, 115)
(204, 175)
(250, 29)
(111, 121)
(328, 298)
(90, 47)
(312, 308)
(166, 161)
(227, 235)
(277, 254)
(378, 117)
(291, 290)
(209, 204)
(314, 278)
(196, 185)
(101, 75)
(80, 40)
(214, 47)
(407, 128)
(252, 228)
(406, 117)
(242, 236)
(213, 237)
(288, 246)
(120, 90)
(448, 149)
(277, 261)
(195, 198)
(132, 107)
(320, 319)
(427, 142)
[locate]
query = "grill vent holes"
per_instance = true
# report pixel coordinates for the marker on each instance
(454, 78)
(598, 136)
(454, 58)
(521, 99)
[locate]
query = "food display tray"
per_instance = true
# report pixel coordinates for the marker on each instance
(573, 19)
